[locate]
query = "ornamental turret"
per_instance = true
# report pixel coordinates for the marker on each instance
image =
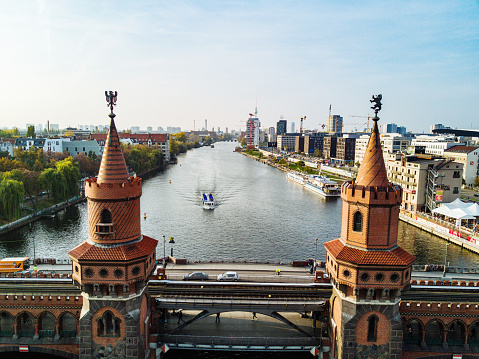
(113, 264)
(368, 269)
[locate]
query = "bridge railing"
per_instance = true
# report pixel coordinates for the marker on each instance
(234, 341)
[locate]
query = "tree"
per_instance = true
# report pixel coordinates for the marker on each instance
(181, 137)
(31, 132)
(476, 182)
(318, 153)
(62, 181)
(300, 163)
(12, 193)
(244, 142)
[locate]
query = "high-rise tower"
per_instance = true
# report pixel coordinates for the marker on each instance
(367, 267)
(113, 265)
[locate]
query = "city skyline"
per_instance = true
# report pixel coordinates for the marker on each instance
(177, 63)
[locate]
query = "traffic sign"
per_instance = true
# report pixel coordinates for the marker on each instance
(23, 348)
(314, 351)
(165, 348)
(457, 356)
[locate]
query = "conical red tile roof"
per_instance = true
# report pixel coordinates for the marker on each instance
(373, 170)
(113, 166)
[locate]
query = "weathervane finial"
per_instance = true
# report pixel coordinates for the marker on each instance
(377, 105)
(111, 100)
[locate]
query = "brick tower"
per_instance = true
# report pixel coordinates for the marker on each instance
(113, 265)
(368, 269)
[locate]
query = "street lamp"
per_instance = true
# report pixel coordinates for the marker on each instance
(445, 261)
(315, 252)
(172, 240)
(164, 250)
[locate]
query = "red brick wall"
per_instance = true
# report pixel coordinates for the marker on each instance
(383, 330)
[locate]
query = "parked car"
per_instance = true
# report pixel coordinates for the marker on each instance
(476, 194)
(196, 276)
(228, 276)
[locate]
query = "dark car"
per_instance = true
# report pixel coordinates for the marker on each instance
(476, 194)
(196, 276)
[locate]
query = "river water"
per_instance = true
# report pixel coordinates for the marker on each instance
(261, 217)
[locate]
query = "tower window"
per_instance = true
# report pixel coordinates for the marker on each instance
(373, 328)
(105, 216)
(358, 222)
(106, 224)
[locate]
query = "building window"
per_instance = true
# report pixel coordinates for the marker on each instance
(455, 190)
(373, 328)
(108, 325)
(357, 222)
(106, 225)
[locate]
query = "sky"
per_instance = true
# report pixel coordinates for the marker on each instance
(177, 63)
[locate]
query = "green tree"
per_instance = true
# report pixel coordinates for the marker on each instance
(476, 182)
(12, 193)
(4, 154)
(173, 147)
(61, 181)
(181, 137)
(31, 132)
(208, 140)
(318, 153)
(244, 142)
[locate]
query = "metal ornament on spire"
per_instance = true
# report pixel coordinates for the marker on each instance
(377, 105)
(111, 100)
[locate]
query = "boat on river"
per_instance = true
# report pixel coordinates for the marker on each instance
(208, 201)
(296, 177)
(323, 186)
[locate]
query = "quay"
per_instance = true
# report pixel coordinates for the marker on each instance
(47, 212)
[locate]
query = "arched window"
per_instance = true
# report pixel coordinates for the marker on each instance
(105, 216)
(357, 222)
(373, 328)
(106, 224)
(109, 325)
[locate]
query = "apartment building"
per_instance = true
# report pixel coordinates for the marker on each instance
(426, 182)
(390, 143)
(469, 157)
(435, 144)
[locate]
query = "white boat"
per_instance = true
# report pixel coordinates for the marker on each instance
(296, 177)
(323, 185)
(208, 201)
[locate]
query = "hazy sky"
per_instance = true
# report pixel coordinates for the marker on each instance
(173, 62)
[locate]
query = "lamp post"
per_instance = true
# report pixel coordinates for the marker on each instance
(164, 250)
(315, 252)
(34, 257)
(445, 261)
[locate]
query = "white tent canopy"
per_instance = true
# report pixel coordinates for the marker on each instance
(458, 210)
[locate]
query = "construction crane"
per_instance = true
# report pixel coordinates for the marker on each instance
(367, 123)
(301, 126)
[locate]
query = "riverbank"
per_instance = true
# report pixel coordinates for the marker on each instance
(50, 211)
(450, 233)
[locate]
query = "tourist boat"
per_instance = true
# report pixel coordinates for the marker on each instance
(296, 177)
(323, 185)
(208, 201)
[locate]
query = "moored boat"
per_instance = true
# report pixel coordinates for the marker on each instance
(323, 185)
(296, 177)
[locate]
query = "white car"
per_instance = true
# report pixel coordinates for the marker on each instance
(228, 276)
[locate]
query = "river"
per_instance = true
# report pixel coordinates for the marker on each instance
(261, 217)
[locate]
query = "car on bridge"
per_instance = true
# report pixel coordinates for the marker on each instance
(196, 276)
(228, 276)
